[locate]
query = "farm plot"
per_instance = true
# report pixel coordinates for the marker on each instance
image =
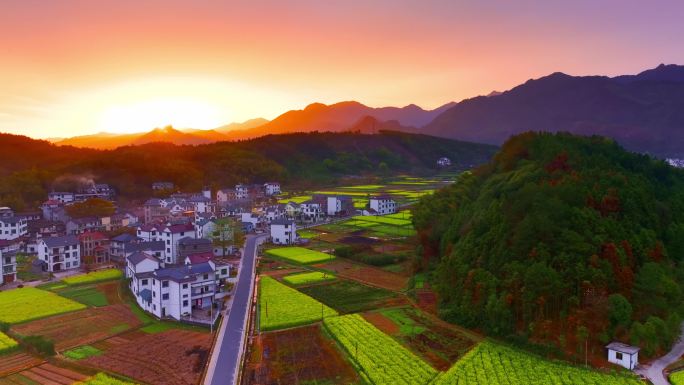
(383, 220)
(103, 379)
(299, 255)
(490, 363)
(351, 297)
(282, 307)
(439, 344)
(379, 358)
(298, 356)
(94, 277)
(83, 327)
(173, 357)
(7, 344)
(308, 278)
(25, 304)
(295, 199)
(45, 374)
(366, 274)
(677, 378)
(87, 295)
(16, 362)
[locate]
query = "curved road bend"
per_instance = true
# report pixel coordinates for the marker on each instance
(225, 360)
(654, 371)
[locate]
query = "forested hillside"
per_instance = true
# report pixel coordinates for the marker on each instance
(558, 239)
(30, 168)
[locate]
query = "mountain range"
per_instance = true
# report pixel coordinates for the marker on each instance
(643, 112)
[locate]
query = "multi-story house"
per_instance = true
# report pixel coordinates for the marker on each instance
(170, 234)
(8, 267)
(226, 195)
(59, 253)
(283, 232)
(382, 205)
(201, 204)
(117, 246)
(162, 186)
(189, 246)
(155, 210)
(339, 205)
(311, 210)
(241, 191)
(53, 210)
(272, 188)
(172, 292)
(83, 225)
(61, 196)
(94, 247)
(12, 226)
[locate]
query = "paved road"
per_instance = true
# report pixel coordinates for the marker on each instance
(654, 371)
(225, 360)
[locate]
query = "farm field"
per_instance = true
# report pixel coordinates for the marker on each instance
(308, 278)
(16, 362)
(45, 374)
(490, 363)
(94, 277)
(173, 357)
(282, 307)
(677, 378)
(299, 255)
(350, 297)
(436, 342)
(296, 199)
(366, 274)
(103, 379)
(6, 343)
(82, 352)
(379, 358)
(298, 356)
(25, 304)
(87, 294)
(82, 327)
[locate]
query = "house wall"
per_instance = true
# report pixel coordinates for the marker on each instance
(628, 361)
(283, 234)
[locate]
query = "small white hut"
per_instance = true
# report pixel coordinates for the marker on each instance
(624, 355)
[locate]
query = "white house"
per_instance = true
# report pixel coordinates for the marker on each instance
(272, 188)
(12, 226)
(444, 162)
(622, 354)
(140, 262)
(175, 292)
(311, 211)
(252, 218)
(62, 196)
(205, 228)
(225, 195)
(201, 204)
(283, 232)
(241, 191)
(382, 205)
(8, 262)
(170, 234)
(60, 253)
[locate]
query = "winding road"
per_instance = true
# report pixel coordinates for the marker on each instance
(224, 364)
(654, 371)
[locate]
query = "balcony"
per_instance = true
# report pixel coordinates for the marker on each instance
(9, 269)
(56, 259)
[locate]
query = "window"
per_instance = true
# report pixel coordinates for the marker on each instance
(165, 296)
(68, 264)
(618, 355)
(185, 286)
(165, 283)
(144, 282)
(185, 296)
(206, 276)
(154, 294)
(185, 303)
(224, 271)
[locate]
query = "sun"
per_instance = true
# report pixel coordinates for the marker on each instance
(144, 115)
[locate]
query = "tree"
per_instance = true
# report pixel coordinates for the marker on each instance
(619, 311)
(94, 207)
(223, 234)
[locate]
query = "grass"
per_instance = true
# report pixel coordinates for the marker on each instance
(88, 295)
(26, 304)
(299, 255)
(119, 328)
(94, 277)
(162, 326)
(282, 307)
(384, 220)
(82, 352)
(308, 278)
(348, 296)
(367, 187)
(7, 344)
(407, 326)
(308, 233)
(677, 378)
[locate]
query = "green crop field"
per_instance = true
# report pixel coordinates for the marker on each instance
(82, 352)
(677, 378)
(299, 255)
(25, 304)
(282, 307)
(365, 187)
(7, 344)
(378, 357)
(87, 295)
(295, 199)
(383, 220)
(103, 379)
(308, 233)
(349, 296)
(489, 363)
(308, 278)
(96, 276)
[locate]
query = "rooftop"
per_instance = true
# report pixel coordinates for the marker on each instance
(622, 348)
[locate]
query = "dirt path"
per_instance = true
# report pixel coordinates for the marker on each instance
(654, 371)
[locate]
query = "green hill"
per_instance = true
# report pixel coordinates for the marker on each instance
(558, 238)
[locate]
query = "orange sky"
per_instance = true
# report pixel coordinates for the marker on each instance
(76, 67)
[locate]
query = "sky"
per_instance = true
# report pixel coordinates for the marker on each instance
(75, 67)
